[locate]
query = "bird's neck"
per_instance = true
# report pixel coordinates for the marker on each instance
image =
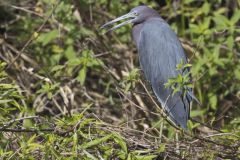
(136, 32)
(138, 27)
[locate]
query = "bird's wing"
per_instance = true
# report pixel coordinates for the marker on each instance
(159, 52)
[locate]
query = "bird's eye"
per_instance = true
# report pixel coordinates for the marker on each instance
(135, 13)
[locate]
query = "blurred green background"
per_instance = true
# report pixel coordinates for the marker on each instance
(68, 91)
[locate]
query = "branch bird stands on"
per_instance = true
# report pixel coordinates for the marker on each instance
(160, 52)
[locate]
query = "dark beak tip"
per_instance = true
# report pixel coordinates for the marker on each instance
(104, 26)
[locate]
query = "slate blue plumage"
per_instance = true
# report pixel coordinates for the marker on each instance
(159, 53)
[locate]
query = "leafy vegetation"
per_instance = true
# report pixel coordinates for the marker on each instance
(70, 92)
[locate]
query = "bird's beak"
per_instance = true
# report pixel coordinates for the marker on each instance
(128, 17)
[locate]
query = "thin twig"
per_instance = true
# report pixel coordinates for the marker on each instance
(26, 130)
(16, 120)
(27, 10)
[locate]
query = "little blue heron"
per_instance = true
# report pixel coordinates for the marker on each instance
(159, 53)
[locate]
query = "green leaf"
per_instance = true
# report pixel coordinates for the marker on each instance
(161, 148)
(6, 86)
(96, 141)
(57, 68)
(74, 62)
(149, 157)
(187, 65)
(82, 75)
(196, 113)
(230, 42)
(49, 95)
(5, 101)
(27, 123)
(192, 125)
(180, 65)
(119, 140)
(57, 49)
(236, 17)
(175, 90)
(206, 8)
(70, 53)
(213, 101)
(237, 73)
(45, 38)
(221, 22)
(75, 139)
(205, 24)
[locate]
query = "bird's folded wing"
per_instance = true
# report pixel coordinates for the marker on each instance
(159, 52)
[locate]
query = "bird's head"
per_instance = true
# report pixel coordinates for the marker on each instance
(135, 16)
